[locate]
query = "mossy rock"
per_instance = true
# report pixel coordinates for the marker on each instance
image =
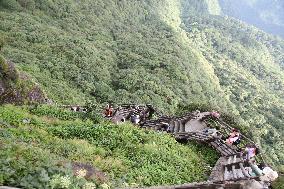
(8, 70)
(16, 87)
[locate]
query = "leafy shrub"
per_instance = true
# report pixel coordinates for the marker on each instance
(55, 112)
(45, 158)
(25, 166)
(13, 116)
(184, 108)
(94, 112)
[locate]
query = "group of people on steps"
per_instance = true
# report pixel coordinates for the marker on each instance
(139, 114)
(248, 153)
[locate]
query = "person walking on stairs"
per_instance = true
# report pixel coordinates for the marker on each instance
(233, 137)
(108, 111)
(250, 152)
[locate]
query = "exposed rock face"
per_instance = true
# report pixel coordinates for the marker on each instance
(16, 87)
(36, 94)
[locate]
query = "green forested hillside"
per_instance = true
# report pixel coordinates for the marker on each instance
(249, 65)
(168, 53)
(104, 50)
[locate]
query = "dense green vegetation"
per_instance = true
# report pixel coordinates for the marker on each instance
(168, 53)
(105, 53)
(39, 145)
(250, 69)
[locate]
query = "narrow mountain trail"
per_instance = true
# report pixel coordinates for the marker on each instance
(230, 171)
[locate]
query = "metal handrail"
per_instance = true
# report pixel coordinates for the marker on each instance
(221, 122)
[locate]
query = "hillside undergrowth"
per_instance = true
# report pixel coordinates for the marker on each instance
(39, 150)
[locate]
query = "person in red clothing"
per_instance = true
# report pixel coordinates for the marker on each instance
(215, 114)
(108, 111)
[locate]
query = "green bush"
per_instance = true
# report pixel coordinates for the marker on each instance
(26, 166)
(55, 112)
(29, 166)
(13, 116)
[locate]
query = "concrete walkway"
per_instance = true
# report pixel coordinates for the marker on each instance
(195, 124)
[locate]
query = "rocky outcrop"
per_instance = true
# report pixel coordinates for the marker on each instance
(17, 87)
(88, 172)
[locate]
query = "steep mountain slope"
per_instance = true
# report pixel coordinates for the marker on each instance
(264, 14)
(104, 50)
(162, 52)
(249, 65)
